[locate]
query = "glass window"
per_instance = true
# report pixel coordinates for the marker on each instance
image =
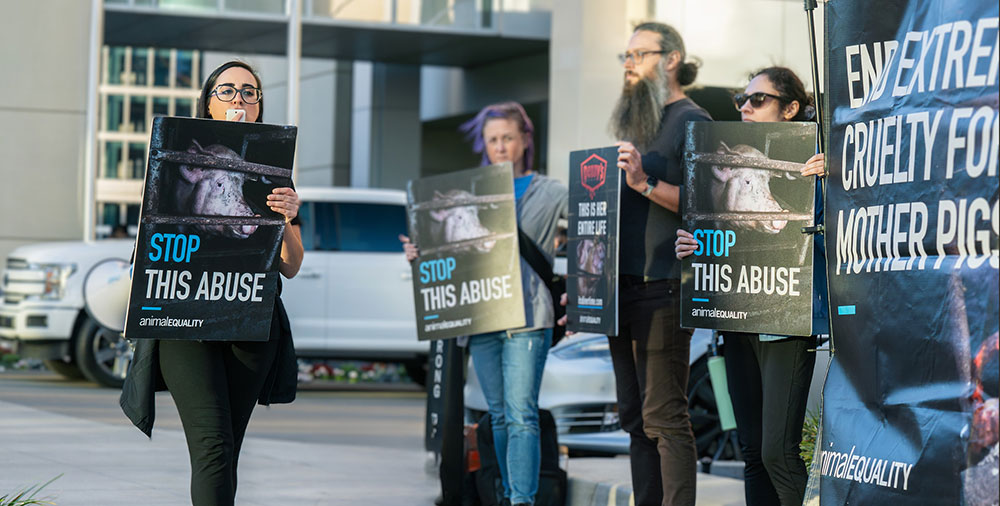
(161, 68)
(185, 69)
(132, 215)
(307, 226)
(371, 227)
(184, 107)
(161, 106)
(136, 160)
(116, 64)
(377, 12)
(137, 114)
(270, 6)
(114, 112)
(207, 5)
(325, 228)
(140, 66)
(112, 159)
(109, 214)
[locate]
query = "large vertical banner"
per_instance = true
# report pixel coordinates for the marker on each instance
(208, 248)
(910, 409)
(746, 205)
(592, 258)
(468, 277)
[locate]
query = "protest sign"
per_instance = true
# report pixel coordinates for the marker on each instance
(592, 249)
(468, 277)
(208, 247)
(910, 409)
(746, 205)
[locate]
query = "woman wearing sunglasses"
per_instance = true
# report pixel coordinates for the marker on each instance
(769, 376)
(215, 385)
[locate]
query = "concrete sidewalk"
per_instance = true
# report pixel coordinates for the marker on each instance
(115, 465)
(607, 482)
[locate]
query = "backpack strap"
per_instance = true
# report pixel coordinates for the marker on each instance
(536, 259)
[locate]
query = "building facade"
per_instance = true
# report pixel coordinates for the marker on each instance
(137, 84)
(377, 88)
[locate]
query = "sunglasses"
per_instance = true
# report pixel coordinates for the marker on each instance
(756, 99)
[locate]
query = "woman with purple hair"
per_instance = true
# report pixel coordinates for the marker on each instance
(509, 363)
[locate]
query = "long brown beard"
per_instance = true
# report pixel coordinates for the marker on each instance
(639, 110)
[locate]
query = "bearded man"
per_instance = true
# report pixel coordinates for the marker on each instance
(650, 354)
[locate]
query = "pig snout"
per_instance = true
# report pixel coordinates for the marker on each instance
(202, 191)
(221, 194)
(463, 224)
(748, 190)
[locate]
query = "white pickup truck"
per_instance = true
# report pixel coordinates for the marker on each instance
(352, 298)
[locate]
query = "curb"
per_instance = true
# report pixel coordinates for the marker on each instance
(723, 485)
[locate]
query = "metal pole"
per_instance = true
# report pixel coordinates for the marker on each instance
(90, 136)
(810, 6)
(294, 70)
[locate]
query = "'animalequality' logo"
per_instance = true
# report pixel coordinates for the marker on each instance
(593, 172)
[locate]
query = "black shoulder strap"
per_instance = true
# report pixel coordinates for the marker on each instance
(535, 258)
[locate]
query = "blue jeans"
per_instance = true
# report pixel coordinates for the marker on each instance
(509, 368)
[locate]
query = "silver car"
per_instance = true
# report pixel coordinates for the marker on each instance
(578, 387)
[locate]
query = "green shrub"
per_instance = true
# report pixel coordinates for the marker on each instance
(810, 430)
(27, 496)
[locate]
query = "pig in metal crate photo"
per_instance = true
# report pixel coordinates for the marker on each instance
(746, 205)
(208, 246)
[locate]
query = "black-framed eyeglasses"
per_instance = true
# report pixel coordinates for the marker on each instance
(227, 93)
(636, 57)
(756, 99)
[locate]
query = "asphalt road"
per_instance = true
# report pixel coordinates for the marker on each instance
(335, 445)
(387, 416)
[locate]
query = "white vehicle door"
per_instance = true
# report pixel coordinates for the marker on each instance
(305, 295)
(370, 305)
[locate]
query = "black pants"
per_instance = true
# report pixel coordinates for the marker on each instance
(769, 385)
(215, 386)
(650, 358)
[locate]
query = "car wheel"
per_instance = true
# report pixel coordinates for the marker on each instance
(67, 370)
(705, 423)
(102, 354)
(417, 371)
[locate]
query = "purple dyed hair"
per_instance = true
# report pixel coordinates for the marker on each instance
(473, 129)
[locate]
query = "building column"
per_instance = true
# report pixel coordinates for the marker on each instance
(385, 125)
(586, 77)
(343, 95)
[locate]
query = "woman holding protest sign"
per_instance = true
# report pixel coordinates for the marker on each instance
(769, 376)
(509, 363)
(215, 384)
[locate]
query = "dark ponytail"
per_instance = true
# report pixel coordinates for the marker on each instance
(687, 72)
(670, 41)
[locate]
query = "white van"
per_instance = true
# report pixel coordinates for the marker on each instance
(352, 299)
(353, 296)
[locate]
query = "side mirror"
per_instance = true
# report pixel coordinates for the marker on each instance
(105, 293)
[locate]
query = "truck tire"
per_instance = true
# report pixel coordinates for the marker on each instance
(67, 370)
(102, 355)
